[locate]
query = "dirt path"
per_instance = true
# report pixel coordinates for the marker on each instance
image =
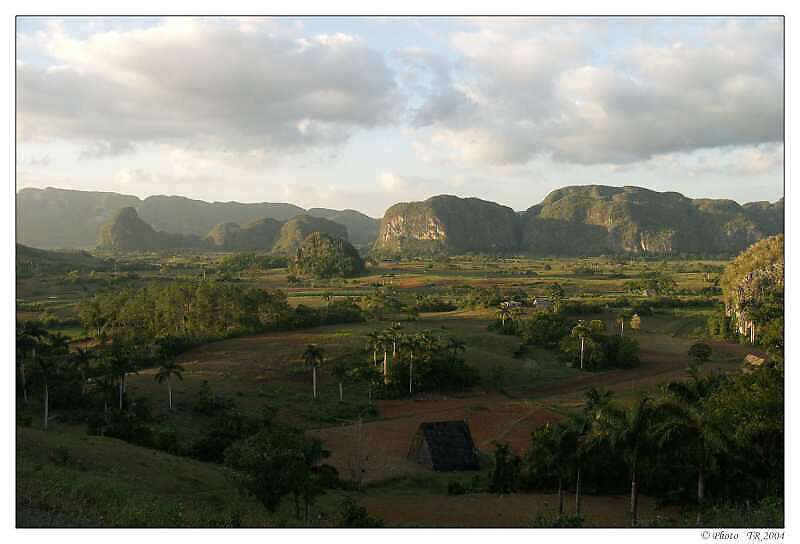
(517, 510)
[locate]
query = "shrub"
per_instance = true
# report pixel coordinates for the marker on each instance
(620, 351)
(545, 329)
(166, 440)
(61, 457)
(555, 521)
(456, 488)
(700, 352)
(355, 516)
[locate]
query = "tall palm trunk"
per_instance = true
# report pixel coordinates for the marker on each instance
(121, 390)
(411, 374)
(634, 495)
(581, 352)
(169, 388)
(578, 494)
(560, 496)
(385, 368)
(341, 393)
(314, 378)
(24, 384)
(701, 492)
(46, 405)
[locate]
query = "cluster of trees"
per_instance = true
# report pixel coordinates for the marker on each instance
(431, 303)
(147, 328)
(397, 362)
(322, 256)
(277, 462)
(269, 461)
(382, 300)
(469, 296)
(92, 377)
(580, 342)
(652, 283)
(240, 262)
(712, 437)
(192, 313)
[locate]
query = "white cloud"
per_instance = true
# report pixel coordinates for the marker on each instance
(539, 89)
(228, 84)
(392, 183)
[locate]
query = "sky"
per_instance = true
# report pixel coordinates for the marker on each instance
(362, 113)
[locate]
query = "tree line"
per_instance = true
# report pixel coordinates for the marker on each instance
(397, 362)
(711, 437)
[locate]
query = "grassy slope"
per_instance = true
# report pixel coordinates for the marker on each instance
(106, 482)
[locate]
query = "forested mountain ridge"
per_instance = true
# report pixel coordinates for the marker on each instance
(361, 229)
(580, 220)
(126, 231)
(62, 218)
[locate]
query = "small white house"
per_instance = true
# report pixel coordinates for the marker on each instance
(511, 304)
(542, 303)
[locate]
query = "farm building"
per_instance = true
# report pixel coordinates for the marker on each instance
(752, 361)
(444, 446)
(542, 303)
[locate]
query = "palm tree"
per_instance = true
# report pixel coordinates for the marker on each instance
(689, 425)
(395, 332)
(589, 431)
(516, 314)
(575, 447)
(121, 363)
(169, 369)
(341, 370)
(30, 335)
(558, 452)
(454, 345)
(503, 313)
(556, 296)
(428, 341)
(375, 343)
(56, 348)
(582, 331)
(621, 317)
(313, 356)
(631, 432)
(411, 342)
(82, 360)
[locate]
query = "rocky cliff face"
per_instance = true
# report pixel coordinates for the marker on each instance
(447, 223)
(586, 220)
(755, 278)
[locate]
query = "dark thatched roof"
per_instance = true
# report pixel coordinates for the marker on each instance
(444, 446)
